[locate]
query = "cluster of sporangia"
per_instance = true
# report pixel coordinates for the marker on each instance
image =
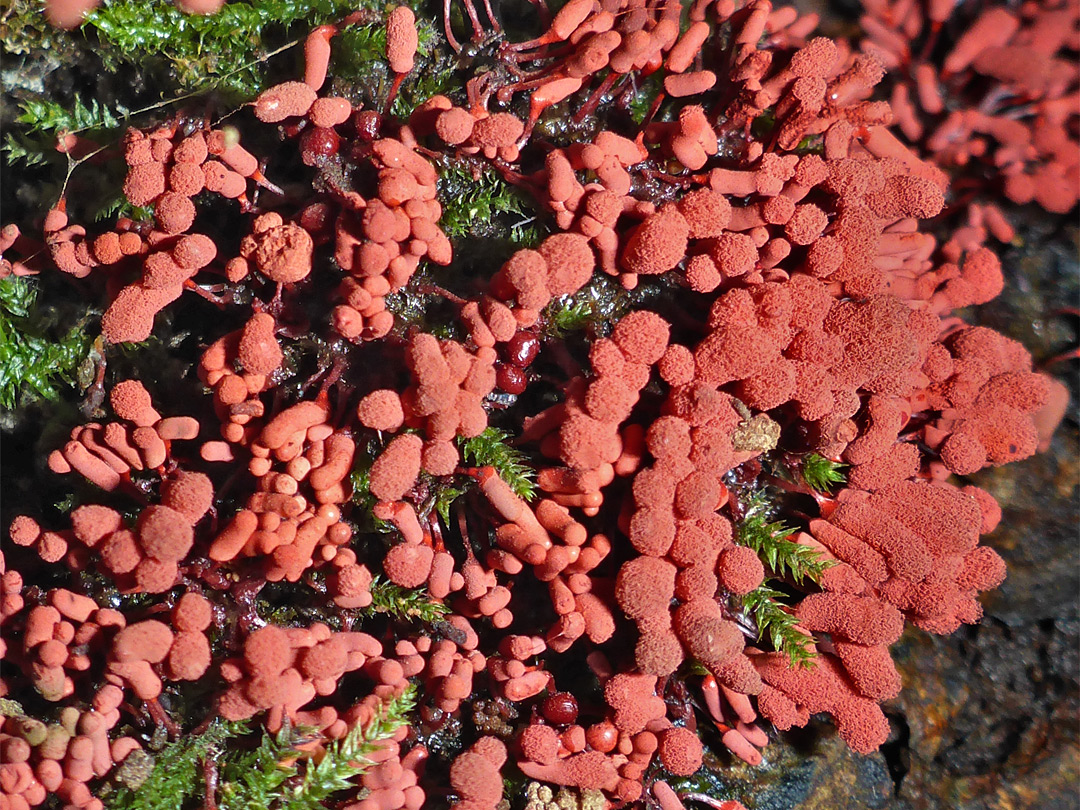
(829, 314)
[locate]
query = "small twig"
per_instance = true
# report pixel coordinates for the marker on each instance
(428, 288)
(73, 164)
(210, 779)
(161, 717)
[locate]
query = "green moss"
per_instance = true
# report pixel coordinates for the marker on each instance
(25, 30)
(784, 557)
(42, 120)
(359, 67)
(444, 498)
(492, 448)
(407, 604)
(602, 301)
(276, 774)
(821, 474)
(571, 314)
(253, 778)
(34, 361)
(644, 96)
(175, 781)
(764, 124)
(223, 50)
(478, 203)
(775, 623)
(42, 115)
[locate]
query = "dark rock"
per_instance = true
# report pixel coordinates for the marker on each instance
(988, 717)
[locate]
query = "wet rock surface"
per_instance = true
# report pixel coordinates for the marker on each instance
(991, 712)
(988, 717)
